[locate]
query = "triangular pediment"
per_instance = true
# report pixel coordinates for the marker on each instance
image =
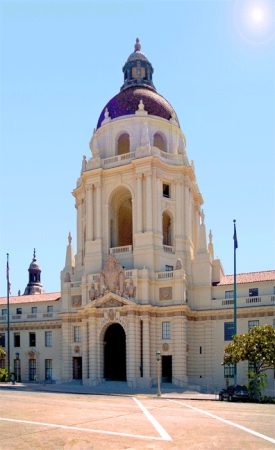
(110, 300)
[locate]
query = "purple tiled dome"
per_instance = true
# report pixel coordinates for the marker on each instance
(127, 101)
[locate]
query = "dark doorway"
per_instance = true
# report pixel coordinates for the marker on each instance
(167, 369)
(77, 368)
(115, 353)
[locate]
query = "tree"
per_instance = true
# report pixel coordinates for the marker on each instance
(2, 353)
(257, 347)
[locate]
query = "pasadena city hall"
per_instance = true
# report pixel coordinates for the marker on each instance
(144, 277)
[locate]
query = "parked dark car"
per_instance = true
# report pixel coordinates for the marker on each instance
(234, 393)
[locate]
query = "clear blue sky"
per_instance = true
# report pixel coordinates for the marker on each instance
(61, 62)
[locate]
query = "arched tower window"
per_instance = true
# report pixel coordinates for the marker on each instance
(167, 229)
(121, 218)
(159, 142)
(125, 234)
(123, 144)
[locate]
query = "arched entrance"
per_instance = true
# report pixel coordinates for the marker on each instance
(115, 353)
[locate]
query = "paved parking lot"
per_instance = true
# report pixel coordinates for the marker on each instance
(46, 420)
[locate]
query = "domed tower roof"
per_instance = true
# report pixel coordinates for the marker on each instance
(138, 85)
(34, 285)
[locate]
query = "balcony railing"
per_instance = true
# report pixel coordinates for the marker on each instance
(244, 301)
(75, 285)
(168, 248)
(125, 249)
(164, 275)
(253, 300)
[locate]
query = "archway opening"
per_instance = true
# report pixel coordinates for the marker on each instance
(121, 218)
(159, 142)
(123, 144)
(166, 229)
(125, 236)
(115, 353)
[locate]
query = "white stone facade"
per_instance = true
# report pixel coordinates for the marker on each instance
(144, 277)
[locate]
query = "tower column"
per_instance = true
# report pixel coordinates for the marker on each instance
(139, 203)
(97, 211)
(66, 354)
(79, 225)
(89, 213)
(187, 210)
(179, 360)
(92, 350)
(85, 350)
(159, 199)
(148, 199)
(131, 348)
(178, 219)
(146, 347)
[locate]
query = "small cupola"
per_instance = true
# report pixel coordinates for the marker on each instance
(34, 285)
(137, 70)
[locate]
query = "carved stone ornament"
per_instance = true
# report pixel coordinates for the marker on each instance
(76, 300)
(76, 349)
(111, 303)
(165, 347)
(111, 314)
(31, 354)
(112, 277)
(165, 293)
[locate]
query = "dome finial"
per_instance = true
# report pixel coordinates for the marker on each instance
(34, 255)
(137, 45)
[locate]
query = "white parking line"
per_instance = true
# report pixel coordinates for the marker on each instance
(262, 436)
(55, 425)
(165, 436)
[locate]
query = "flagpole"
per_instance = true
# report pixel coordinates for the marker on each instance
(8, 313)
(235, 292)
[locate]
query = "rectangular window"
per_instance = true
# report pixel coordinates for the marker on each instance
(16, 339)
(4, 312)
(169, 268)
(166, 190)
(228, 331)
(251, 368)
(253, 323)
(48, 338)
(17, 369)
(34, 309)
(48, 369)
(18, 310)
(229, 371)
(165, 330)
(32, 369)
(253, 292)
(50, 308)
(32, 339)
(200, 350)
(2, 340)
(229, 294)
(77, 334)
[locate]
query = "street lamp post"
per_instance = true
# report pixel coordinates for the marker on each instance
(158, 363)
(17, 363)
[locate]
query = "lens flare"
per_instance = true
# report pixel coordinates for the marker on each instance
(257, 15)
(255, 20)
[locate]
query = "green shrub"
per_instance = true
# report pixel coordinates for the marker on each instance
(4, 374)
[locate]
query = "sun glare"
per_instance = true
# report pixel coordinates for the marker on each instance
(257, 15)
(255, 20)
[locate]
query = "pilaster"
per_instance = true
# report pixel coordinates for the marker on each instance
(146, 347)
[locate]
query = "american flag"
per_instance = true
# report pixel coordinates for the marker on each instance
(8, 276)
